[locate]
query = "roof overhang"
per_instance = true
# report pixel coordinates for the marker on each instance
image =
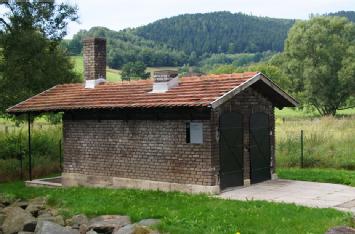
(265, 86)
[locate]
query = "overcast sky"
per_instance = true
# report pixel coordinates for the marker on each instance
(119, 14)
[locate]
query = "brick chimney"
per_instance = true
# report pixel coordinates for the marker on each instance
(94, 52)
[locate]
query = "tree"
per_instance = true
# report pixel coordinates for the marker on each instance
(320, 61)
(271, 71)
(134, 70)
(32, 59)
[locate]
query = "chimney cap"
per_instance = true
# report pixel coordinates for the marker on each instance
(166, 72)
(93, 39)
(164, 75)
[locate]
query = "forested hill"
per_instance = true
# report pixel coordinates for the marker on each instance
(218, 32)
(124, 46)
(189, 38)
(348, 14)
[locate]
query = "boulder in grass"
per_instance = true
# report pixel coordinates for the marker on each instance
(6, 200)
(149, 222)
(30, 226)
(45, 227)
(91, 232)
(77, 220)
(33, 209)
(36, 206)
(341, 230)
(108, 223)
(15, 219)
(2, 218)
(48, 217)
(38, 201)
(83, 229)
(21, 204)
(134, 229)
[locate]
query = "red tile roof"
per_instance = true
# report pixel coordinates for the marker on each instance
(191, 92)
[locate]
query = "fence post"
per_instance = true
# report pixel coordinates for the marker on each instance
(21, 165)
(29, 147)
(60, 155)
(302, 162)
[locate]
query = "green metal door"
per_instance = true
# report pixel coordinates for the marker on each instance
(231, 150)
(260, 149)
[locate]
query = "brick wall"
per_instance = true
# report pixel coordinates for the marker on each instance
(157, 149)
(138, 149)
(247, 102)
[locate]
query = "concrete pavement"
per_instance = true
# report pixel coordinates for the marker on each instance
(311, 194)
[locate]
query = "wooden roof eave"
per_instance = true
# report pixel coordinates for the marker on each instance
(258, 77)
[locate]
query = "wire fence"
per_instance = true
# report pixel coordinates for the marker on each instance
(308, 148)
(15, 162)
(305, 144)
(12, 128)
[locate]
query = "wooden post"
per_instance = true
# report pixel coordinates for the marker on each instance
(29, 147)
(60, 155)
(21, 166)
(302, 162)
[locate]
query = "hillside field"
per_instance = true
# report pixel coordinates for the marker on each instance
(112, 75)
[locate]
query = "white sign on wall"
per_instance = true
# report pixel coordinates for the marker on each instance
(196, 133)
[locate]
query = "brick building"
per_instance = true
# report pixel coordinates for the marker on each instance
(193, 134)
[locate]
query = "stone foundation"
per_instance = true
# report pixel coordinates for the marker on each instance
(75, 179)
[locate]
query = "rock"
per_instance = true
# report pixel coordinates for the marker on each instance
(44, 214)
(45, 227)
(59, 220)
(53, 212)
(134, 229)
(149, 222)
(128, 229)
(36, 206)
(30, 226)
(22, 232)
(83, 228)
(91, 232)
(15, 219)
(21, 204)
(107, 223)
(38, 201)
(33, 209)
(6, 200)
(341, 230)
(77, 220)
(2, 218)
(48, 217)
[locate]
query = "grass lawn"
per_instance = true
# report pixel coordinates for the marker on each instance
(183, 213)
(319, 175)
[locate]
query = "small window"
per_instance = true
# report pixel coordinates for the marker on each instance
(194, 133)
